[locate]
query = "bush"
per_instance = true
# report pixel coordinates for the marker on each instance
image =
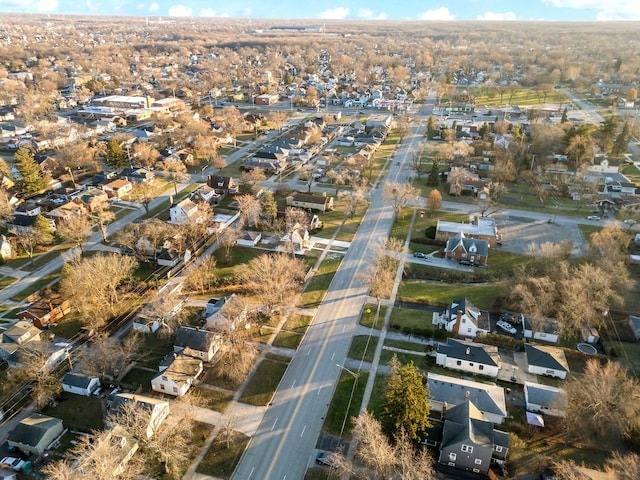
(430, 232)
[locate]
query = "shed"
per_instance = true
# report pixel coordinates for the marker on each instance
(80, 384)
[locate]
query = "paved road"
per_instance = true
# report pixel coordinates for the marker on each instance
(284, 443)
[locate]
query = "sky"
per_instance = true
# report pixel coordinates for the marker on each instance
(508, 10)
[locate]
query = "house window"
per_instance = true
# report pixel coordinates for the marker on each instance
(468, 330)
(451, 464)
(175, 389)
(498, 448)
(471, 364)
(164, 378)
(481, 367)
(459, 362)
(161, 386)
(464, 320)
(476, 470)
(452, 457)
(466, 448)
(478, 461)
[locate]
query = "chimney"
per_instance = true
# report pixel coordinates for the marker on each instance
(444, 409)
(467, 394)
(468, 351)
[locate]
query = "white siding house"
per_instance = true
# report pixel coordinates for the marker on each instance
(178, 377)
(469, 357)
(549, 361)
(545, 399)
(80, 384)
(543, 329)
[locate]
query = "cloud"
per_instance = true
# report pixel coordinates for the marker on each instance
(179, 11)
(441, 13)
(210, 12)
(369, 14)
(154, 7)
(498, 16)
(13, 3)
(610, 10)
(337, 13)
(46, 5)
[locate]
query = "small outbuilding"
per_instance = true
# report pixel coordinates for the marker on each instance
(80, 384)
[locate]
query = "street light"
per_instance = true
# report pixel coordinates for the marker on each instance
(202, 171)
(353, 388)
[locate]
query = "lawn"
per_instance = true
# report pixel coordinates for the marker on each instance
(405, 345)
(139, 378)
(239, 255)
(77, 412)
(210, 398)
(363, 347)
(153, 348)
(521, 97)
(287, 339)
(337, 413)
(377, 399)
(220, 461)
(317, 287)
(368, 317)
(264, 382)
(411, 321)
(418, 359)
(441, 294)
(37, 286)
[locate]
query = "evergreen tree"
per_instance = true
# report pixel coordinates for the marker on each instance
(483, 131)
(32, 180)
(564, 118)
(115, 154)
(407, 406)
(607, 132)
(44, 230)
(622, 140)
(269, 206)
(434, 174)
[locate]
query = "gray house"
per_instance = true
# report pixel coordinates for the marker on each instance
(203, 343)
(35, 433)
(469, 441)
(549, 361)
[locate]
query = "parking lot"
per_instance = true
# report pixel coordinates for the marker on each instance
(518, 232)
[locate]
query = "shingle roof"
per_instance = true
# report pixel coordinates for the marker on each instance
(31, 429)
(546, 357)
(488, 398)
(468, 351)
(78, 380)
(197, 339)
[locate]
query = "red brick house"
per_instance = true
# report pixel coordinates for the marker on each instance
(463, 249)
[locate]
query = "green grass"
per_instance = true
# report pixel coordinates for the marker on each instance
(441, 294)
(377, 399)
(405, 345)
(153, 348)
(37, 286)
(263, 383)
(298, 323)
(210, 398)
(220, 461)
(68, 326)
(363, 347)
(78, 412)
(409, 320)
(6, 281)
(239, 255)
(418, 358)
(338, 406)
(139, 378)
(368, 317)
(317, 287)
(521, 97)
(279, 358)
(287, 339)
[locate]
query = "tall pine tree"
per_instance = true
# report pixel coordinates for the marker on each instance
(115, 154)
(31, 180)
(407, 405)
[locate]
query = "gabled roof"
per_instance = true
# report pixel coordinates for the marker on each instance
(148, 403)
(469, 245)
(183, 369)
(464, 423)
(488, 398)
(470, 351)
(31, 429)
(194, 338)
(310, 198)
(546, 357)
(79, 380)
(546, 395)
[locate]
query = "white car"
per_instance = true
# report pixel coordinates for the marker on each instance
(13, 462)
(507, 327)
(593, 217)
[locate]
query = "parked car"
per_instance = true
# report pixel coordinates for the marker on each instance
(13, 462)
(629, 221)
(593, 217)
(466, 262)
(324, 458)
(419, 255)
(507, 327)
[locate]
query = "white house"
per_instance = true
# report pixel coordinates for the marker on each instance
(80, 384)
(543, 329)
(177, 378)
(463, 318)
(545, 399)
(248, 239)
(157, 409)
(183, 212)
(549, 361)
(449, 391)
(469, 357)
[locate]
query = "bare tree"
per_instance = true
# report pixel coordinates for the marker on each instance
(250, 209)
(227, 240)
(76, 230)
(176, 170)
(603, 404)
(144, 193)
(34, 372)
(145, 154)
(352, 200)
(93, 285)
(251, 179)
(202, 277)
(624, 467)
(103, 215)
(398, 194)
(275, 278)
(434, 202)
(108, 357)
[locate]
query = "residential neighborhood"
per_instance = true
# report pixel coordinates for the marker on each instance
(221, 242)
